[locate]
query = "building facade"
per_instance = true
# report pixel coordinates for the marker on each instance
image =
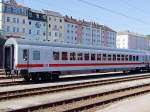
(55, 26)
(22, 22)
(82, 32)
(13, 20)
(108, 37)
(131, 40)
(37, 25)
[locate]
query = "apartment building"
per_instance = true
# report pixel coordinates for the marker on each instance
(55, 26)
(13, 19)
(131, 40)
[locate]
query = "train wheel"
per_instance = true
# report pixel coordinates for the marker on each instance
(27, 79)
(44, 77)
(55, 76)
(35, 77)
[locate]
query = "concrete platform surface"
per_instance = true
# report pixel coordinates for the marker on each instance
(53, 97)
(136, 104)
(22, 87)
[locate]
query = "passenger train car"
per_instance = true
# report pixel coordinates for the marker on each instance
(43, 61)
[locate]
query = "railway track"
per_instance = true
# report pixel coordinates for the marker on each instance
(90, 103)
(59, 88)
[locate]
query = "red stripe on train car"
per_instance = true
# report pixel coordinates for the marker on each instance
(91, 64)
(29, 65)
(73, 65)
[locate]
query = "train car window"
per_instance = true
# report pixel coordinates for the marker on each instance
(104, 57)
(73, 56)
(25, 54)
(56, 55)
(130, 57)
(137, 58)
(126, 57)
(114, 57)
(64, 56)
(92, 57)
(36, 55)
(80, 56)
(122, 57)
(86, 56)
(118, 57)
(133, 58)
(98, 57)
(109, 57)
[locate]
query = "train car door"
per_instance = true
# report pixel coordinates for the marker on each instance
(9, 58)
(26, 57)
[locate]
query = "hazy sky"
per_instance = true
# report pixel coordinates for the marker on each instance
(135, 9)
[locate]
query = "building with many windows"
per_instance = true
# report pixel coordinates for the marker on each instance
(22, 22)
(13, 19)
(82, 32)
(131, 40)
(55, 26)
(37, 25)
(108, 37)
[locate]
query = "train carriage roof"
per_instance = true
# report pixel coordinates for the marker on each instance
(14, 41)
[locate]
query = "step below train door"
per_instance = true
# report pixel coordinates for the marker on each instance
(9, 58)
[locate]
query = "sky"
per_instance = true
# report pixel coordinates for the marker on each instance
(132, 15)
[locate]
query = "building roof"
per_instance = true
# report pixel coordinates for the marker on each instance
(130, 33)
(52, 13)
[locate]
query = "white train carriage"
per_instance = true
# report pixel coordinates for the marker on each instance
(42, 61)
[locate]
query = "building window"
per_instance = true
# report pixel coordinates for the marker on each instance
(56, 34)
(49, 18)
(17, 20)
(49, 25)
(23, 30)
(43, 24)
(14, 20)
(8, 28)
(44, 33)
(49, 33)
(30, 31)
(60, 20)
(14, 29)
(17, 29)
(29, 22)
(38, 32)
(8, 19)
(23, 21)
(56, 55)
(60, 34)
